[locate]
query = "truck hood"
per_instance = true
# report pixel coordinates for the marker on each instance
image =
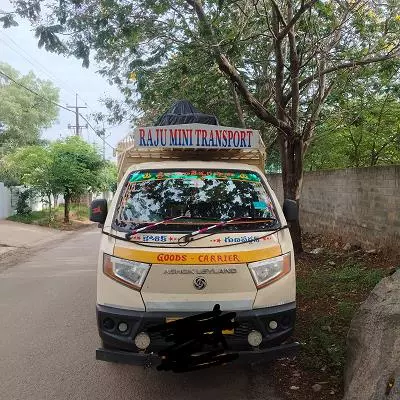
(200, 274)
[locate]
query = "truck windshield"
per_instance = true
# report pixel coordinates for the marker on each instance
(200, 197)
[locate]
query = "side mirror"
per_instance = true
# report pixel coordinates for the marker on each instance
(98, 211)
(290, 210)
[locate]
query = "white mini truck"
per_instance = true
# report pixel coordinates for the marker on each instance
(194, 223)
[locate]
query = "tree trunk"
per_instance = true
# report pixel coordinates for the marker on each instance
(49, 199)
(238, 107)
(67, 200)
(292, 157)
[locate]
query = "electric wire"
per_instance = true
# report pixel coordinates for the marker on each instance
(53, 102)
(35, 63)
(95, 131)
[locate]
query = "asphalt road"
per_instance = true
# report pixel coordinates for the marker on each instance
(48, 339)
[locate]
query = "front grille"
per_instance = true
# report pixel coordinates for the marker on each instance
(240, 332)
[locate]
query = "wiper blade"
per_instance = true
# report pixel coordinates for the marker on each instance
(151, 226)
(189, 236)
(260, 219)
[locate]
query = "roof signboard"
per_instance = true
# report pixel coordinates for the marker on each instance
(196, 136)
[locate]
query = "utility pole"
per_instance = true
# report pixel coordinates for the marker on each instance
(103, 134)
(77, 127)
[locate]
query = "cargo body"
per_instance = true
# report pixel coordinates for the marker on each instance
(182, 235)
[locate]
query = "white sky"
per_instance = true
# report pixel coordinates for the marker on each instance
(18, 47)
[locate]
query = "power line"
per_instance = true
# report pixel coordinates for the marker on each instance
(76, 107)
(96, 132)
(50, 74)
(36, 65)
(35, 93)
(52, 102)
(86, 104)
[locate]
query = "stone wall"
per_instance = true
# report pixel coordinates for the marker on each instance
(362, 205)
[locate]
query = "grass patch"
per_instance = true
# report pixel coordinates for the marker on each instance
(32, 218)
(325, 348)
(331, 295)
(331, 285)
(78, 212)
(346, 310)
(339, 280)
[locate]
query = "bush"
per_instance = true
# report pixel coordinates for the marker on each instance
(23, 208)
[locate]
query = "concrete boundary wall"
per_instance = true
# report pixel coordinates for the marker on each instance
(361, 205)
(5, 201)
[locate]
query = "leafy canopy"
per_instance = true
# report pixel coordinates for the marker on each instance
(361, 125)
(69, 166)
(30, 166)
(75, 165)
(23, 114)
(107, 178)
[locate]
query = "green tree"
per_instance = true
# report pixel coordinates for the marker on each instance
(23, 114)
(31, 166)
(70, 167)
(107, 178)
(361, 125)
(75, 168)
(203, 84)
(282, 56)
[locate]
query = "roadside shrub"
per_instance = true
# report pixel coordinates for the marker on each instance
(23, 207)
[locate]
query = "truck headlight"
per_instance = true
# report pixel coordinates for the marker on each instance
(129, 273)
(268, 271)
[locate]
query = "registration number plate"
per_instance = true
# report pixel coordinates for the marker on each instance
(224, 332)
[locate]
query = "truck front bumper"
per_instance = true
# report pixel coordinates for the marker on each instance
(152, 359)
(120, 347)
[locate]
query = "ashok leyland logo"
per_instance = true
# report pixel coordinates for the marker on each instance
(199, 283)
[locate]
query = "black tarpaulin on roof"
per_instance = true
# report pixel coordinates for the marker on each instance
(183, 112)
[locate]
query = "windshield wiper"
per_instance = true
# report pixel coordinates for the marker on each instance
(190, 235)
(151, 226)
(187, 238)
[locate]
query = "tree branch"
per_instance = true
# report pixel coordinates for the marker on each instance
(279, 67)
(228, 69)
(238, 107)
(323, 93)
(349, 64)
(279, 12)
(294, 71)
(304, 7)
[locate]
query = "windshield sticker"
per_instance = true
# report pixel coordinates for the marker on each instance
(260, 205)
(243, 239)
(155, 238)
(195, 183)
(138, 176)
(237, 239)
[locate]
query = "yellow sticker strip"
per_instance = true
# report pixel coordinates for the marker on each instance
(204, 258)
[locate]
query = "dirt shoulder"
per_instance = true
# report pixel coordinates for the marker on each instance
(333, 279)
(18, 240)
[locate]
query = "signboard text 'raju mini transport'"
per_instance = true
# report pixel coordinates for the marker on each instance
(196, 136)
